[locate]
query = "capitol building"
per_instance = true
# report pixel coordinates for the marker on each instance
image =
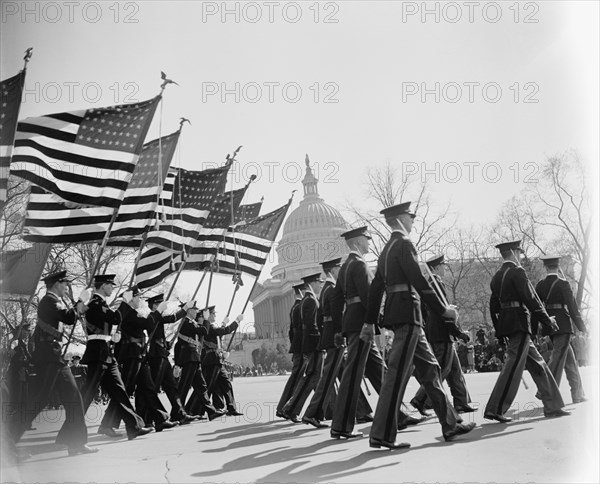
(311, 235)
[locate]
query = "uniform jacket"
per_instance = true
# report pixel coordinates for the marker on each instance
(52, 311)
(312, 322)
(562, 294)
(295, 328)
(329, 328)
(211, 344)
(438, 329)
(398, 264)
(516, 288)
(353, 282)
(133, 338)
(158, 342)
(184, 351)
(99, 320)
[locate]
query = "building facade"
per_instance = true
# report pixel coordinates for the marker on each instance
(311, 235)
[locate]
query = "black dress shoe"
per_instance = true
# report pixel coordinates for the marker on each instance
(557, 413)
(377, 443)
(232, 412)
(314, 422)
(497, 417)
(420, 407)
(335, 434)
(465, 408)
(410, 421)
(167, 424)
(185, 420)
(280, 415)
(460, 429)
(110, 432)
(139, 432)
(82, 449)
(216, 414)
(364, 419)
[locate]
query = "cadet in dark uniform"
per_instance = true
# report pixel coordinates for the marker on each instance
(102, 365)
(513, 304)
(399, 275)
(348, 306)
(188, 357)
(52, 370)
(334, 354)
(135, 370)
(158, 358)
(312, 325)
(298, 360)
(557, 296)
(439, 333)
(79, 372)
(219, 382)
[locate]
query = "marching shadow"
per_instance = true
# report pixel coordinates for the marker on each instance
(244, 430)
(264, 439)
(286, 454)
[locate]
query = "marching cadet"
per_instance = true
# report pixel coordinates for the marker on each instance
(348, 306)
(219, 382)
(399, 275)
(52, 370)
(188, 358)
(439, 333)
(334, 354)
(79, 372)
(513, 303)
(557, 296)
(312, 326)
(99, 357)
(135, 371)
(298, 360)
(158, 356)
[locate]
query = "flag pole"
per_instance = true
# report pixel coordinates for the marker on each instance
(212, 270)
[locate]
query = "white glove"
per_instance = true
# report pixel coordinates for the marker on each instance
(85, 296)
(206, 314)
(226, 355)
(127, 296)
(226, 321)
(188, 305)
(116, 337)
(239, 318)
(80, 307)
(162, 306)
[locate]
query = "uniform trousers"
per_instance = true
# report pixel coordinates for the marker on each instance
(219, 386)
(49, 377)
(563, 358)
(162, 375)
(521, 354)
(199, 401)
(108, 376)
(298, 367)
(364, 359)
(410, 350)
(446, 356)
(325, 390)
(314, 370)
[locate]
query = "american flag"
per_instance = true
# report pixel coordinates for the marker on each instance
(194, 195)
(11, 91)
(49, 219)
(156, 264)
(85, 157)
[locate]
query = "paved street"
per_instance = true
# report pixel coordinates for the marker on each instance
(260, 448)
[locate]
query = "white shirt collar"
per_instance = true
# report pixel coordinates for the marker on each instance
(98, 294)
(330, 278)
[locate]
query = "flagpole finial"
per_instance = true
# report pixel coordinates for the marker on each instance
(184, 120)
(306, 160)
(166, 81)
(28, 54)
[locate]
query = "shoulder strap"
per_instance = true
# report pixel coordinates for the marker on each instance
(502, 282)
(550, 290)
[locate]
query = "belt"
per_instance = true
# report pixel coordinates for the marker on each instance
(556, 306)
(353, 300)
(51, 331)
(327, 319)
(130, 339)
(103, 337)
(397, 288)
(189, 340)
(511, 304)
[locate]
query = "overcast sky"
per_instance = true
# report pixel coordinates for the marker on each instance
(474, 97)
